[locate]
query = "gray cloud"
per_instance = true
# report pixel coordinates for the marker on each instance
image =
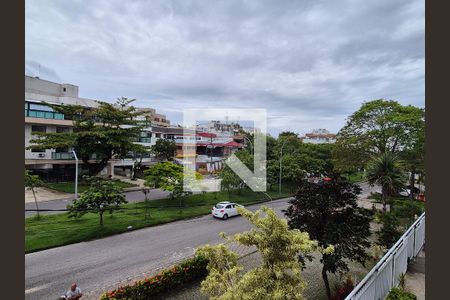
(309, 63)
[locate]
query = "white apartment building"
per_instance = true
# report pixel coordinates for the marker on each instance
(319, 136)
(42, 118)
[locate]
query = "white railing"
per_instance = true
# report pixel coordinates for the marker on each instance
(385, 274)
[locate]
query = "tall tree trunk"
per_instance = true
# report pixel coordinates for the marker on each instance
(95, 168)
(101, 218)
(325, 281)
(411, 184)
(384, 198)
(35, 201)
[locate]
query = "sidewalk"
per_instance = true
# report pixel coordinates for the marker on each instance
(415, 276)
(44, 194)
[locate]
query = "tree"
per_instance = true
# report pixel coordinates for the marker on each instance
(272, 173)
(107, 131)
(229, 179)
(164, 149)
(379, 126)
(288, 134)
(390, 231)
(146, 191)
(32, 182)
(414, 160)
(278, 277)
(385, 170)
(102, 195)
(328, 211)
(170, 177)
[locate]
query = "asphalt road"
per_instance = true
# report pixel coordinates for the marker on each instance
(134, 196)
(102, 264)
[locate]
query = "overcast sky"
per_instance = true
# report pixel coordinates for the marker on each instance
(309, 63)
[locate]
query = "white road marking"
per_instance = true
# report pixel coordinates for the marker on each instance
(36, 288)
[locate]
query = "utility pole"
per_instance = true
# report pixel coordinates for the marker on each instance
(251, 144)
(76, 174)
(281, 158)
(210, 152)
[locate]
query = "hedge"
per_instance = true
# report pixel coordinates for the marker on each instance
(187, 271)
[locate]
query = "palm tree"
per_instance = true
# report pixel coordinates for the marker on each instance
(386, 171)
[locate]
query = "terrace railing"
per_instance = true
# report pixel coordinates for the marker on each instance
(386, 273)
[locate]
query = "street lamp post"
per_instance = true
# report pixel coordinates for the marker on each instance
(251, 144)
(76, 174)
(281, 157)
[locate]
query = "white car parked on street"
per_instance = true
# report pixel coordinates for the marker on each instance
(224, 210)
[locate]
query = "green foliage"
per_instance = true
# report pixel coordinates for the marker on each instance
(231, 180)
(328, 211)
(408, 210)
(102, 195)
(187, 271)
(170, 177)
(279, 275)
(379, 126)
(399, 294)
(386, 171)
(109, 130)
(164, 149)
(390, 231)
(32, 182)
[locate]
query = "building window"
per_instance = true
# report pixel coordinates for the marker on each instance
(62, 129)
(34, 106)
(158, 135)
(40, 150)
(36, 128)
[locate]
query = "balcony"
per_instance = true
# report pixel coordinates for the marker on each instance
(63, 155)
(43, 114)
(69, 156)
(145, 140)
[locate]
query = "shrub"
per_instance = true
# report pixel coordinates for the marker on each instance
(391, 231)
(342, 291)
(408, 209)
(187, 271)
(399, 294)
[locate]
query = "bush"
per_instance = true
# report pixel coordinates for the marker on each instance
(408, 209)
(187, 271)
(341, 292)
(399, 294)
(391, 230)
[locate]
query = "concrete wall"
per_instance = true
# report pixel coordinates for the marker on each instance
(40, 86)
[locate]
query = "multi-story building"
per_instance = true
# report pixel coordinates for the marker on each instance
(208, 149)
(154, 118)
(42, 118)
(319, 136)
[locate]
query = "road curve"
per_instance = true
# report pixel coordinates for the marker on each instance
(102, 264)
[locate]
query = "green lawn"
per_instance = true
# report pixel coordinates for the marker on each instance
(57, 230)
(69, 187)
(356, 177)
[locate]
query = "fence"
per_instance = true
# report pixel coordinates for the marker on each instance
(385, 274)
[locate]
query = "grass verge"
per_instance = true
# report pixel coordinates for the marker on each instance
(69, 187)
(57, 230)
